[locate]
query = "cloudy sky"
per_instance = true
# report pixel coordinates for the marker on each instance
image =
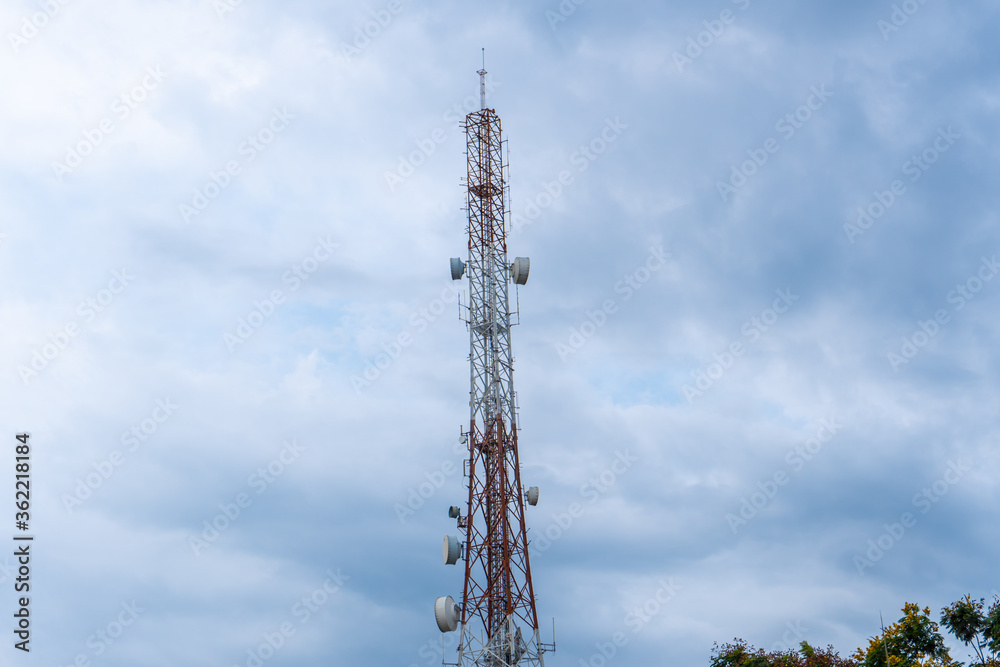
(757, 359)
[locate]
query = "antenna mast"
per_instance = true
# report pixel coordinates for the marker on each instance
(499, 624)
(482, 83)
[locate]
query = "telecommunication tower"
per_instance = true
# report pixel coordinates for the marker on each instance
(497, 617)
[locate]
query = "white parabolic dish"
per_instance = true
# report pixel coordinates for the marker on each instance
(452, 550)
(446, 614)
(519, 270)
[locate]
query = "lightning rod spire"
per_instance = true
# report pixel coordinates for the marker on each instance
(482, 82)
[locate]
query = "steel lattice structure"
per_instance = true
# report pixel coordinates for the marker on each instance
(499, 623)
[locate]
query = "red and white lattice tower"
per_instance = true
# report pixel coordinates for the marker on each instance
(497, 618)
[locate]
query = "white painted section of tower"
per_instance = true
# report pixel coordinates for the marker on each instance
(482, 88)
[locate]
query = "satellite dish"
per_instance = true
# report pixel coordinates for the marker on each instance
(532, 496)
(457, 268)
(454, 512)
(519, 270)
(446, 614)
(452, 550)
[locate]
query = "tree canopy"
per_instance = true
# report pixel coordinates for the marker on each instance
(913, 641)
(976, 628)
(741, 654)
